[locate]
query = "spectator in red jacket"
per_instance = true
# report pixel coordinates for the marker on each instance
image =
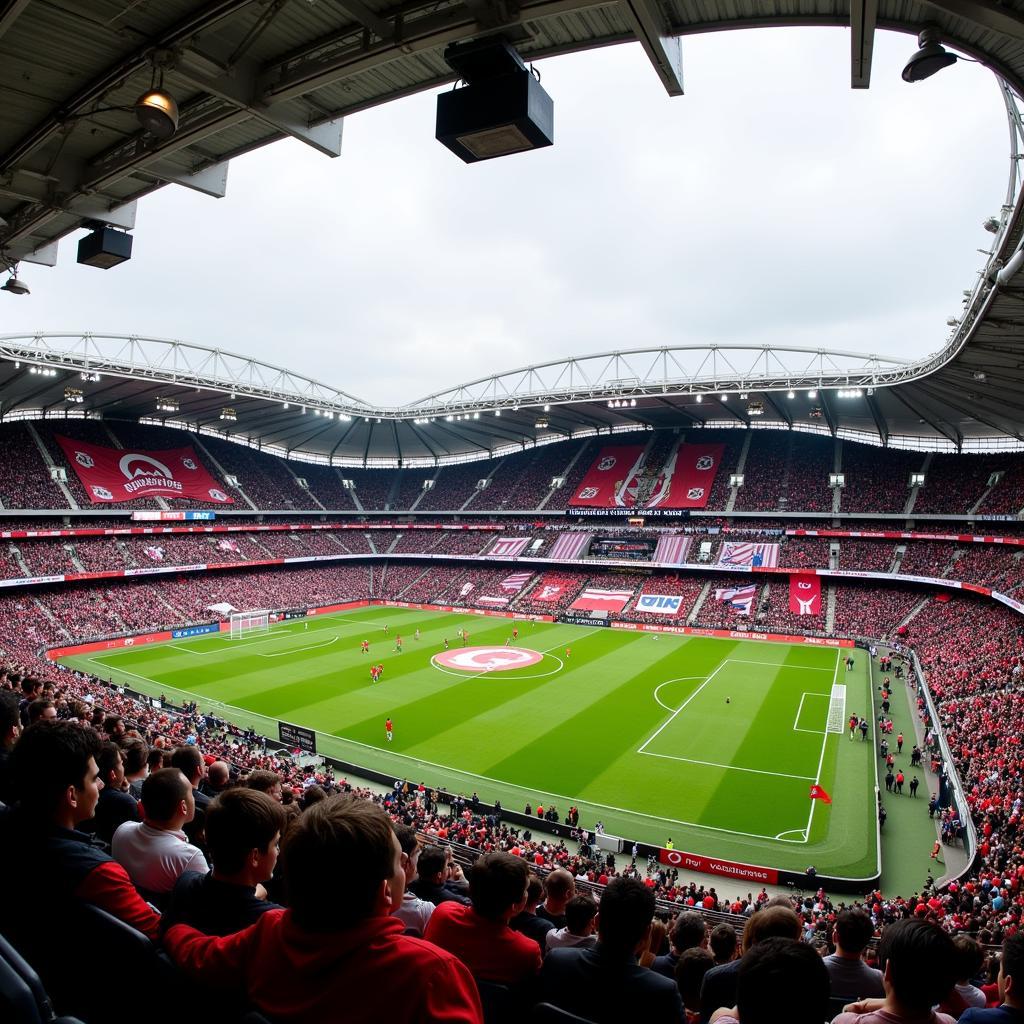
(54, 773)
(336, 954)
(480, 935)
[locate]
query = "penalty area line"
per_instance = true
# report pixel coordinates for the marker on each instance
(730, 767)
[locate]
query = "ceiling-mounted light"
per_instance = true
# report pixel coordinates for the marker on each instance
(991, 225)
(744, 396)
(632, 402)
(14, 284)
(547, 408)
(813, 393)
(700, 398)
(157, 111)
(930, 58)
(724, 397)
(791, 394)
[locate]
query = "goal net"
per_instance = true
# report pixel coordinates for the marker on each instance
(836, 709)
(243, 623)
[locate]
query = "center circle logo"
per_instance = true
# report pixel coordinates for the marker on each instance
(488, 659)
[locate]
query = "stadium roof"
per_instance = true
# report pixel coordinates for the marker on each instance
(247, 73)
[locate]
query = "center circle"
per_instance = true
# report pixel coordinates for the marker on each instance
(487, 659)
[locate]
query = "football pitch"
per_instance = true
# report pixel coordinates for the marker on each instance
(713, 743)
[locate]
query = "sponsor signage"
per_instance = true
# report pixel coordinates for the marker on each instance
(112, 474)
(649, 513)
(715, 866)
(583, 620)
(159, 515)
(211, 627)
(659, 604)
(295, 736)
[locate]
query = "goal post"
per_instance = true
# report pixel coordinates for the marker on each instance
(243, 623)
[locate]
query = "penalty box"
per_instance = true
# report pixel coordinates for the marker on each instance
(760, 717)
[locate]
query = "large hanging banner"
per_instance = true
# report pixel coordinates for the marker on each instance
(805, 595)
(595, 600)
(621, 477)
(735, 552)
(116, 474)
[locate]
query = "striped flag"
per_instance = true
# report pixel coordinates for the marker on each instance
(745, 553)
(738, 598)
(514, 583)
(466, 588)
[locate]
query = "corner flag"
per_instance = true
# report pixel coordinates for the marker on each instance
(817, 793)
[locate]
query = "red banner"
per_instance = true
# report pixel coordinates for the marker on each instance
(113, 474)
(549, 590)
(690, 475)
(613, 468)
(714, 866)
(594, 600)
(805, 595)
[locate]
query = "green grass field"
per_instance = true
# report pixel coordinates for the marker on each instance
(714, 743)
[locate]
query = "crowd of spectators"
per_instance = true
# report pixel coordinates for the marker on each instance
(954, 483)
(926, 557)
(867, 555)
(25, 478)
(877, 479)
(871, 611)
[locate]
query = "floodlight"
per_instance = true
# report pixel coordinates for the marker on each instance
(931, 58)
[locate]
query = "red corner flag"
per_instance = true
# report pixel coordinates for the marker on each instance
(817, 793)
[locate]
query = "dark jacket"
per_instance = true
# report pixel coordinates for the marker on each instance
(213, 906)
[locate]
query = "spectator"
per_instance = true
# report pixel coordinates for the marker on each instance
(1011, 977)
(919, 961)
(218, 778)
(776, 920)
(413, 912)
(243, 829)
(266, 782)
(723, 943)
(135, 753)
(56, 779)
(155, 851)
(778, 971)
(580, 915)
(116, 805)
(10, 730)
(42, 708)
(688, 931)
(964, 995)
(337, 952)
(849, 977)
(559, 888)
(479, 935)
(435, 873)
(189, 761)
(691, 967)
(528, 922)
(605, 984)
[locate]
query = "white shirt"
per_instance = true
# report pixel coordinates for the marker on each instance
(155, 858)
(560, 938)
(414, 913)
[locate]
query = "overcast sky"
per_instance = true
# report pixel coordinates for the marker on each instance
(769, 205)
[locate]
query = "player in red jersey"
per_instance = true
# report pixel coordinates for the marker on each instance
(567, 652)
(388, 729)
(380, 671)
(446, 643)
(515, 633)
(398, 644)
(365, 647)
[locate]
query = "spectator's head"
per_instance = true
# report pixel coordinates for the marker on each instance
(10, 720)
(411, 849)
(919, 964)
(41, 708)
(580, 914)
(135, 753)
(969, 958)
(155, 760)
(113, 726)
(433, 865)
(534, 893)
(31, 688)
(723, 942)
(243, 828)
(624, 916)
(559, 888)
(54, 770)
(782, 966)
(189, 761)
(774, 922)
(111, 765)
(266, 782)
(1011, 972)
(688, 930)
(852, 932)
(497, 886)
(167, 800)
(691, 967)
(218, 775)
(342, 864)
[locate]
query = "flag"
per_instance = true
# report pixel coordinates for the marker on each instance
(466, 588)
(818, 793)
(805, 595)
(746, 553)
(157, 554)
(226, 544)
(514, 583)
(595, 600)
(738, 598)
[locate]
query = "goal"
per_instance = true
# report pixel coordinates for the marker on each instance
(243, 623)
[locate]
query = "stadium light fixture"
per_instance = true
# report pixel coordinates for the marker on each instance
(813, 393)
(991, 225)
(14, 284)
(791, 394)
(501, 108)
(700, 398)
(229, 414)
(724, 397)
(744, 396)
(930, 58)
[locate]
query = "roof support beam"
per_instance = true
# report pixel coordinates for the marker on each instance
(876, 415)
(829, 417)
(236, 84)
(211, 181)
(780, 410)
(863, 18)
(9, 11)
(932, 421)
(664, 51)
(989, 16)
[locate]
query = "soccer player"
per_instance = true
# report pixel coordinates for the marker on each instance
(380, 671)
(398, 644)
(446, 643)
(417, 634)
(465, 638)
(305, 626)
(373, 673)
(508, 641)
(853, 725)
(568, 651)
(515, 633)
(385, 629)
(365, 647)
(388, 729)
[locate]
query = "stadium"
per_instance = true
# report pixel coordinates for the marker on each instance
(723, 637)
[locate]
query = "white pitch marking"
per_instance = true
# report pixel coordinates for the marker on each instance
(821, 759)
(678, 679)
(299, 650)
(800, 706)
(778, 664)
(731, 767)
(671, 717)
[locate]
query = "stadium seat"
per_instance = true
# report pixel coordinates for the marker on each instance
(548, 1013)
(22, 996)
(498, 1002)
